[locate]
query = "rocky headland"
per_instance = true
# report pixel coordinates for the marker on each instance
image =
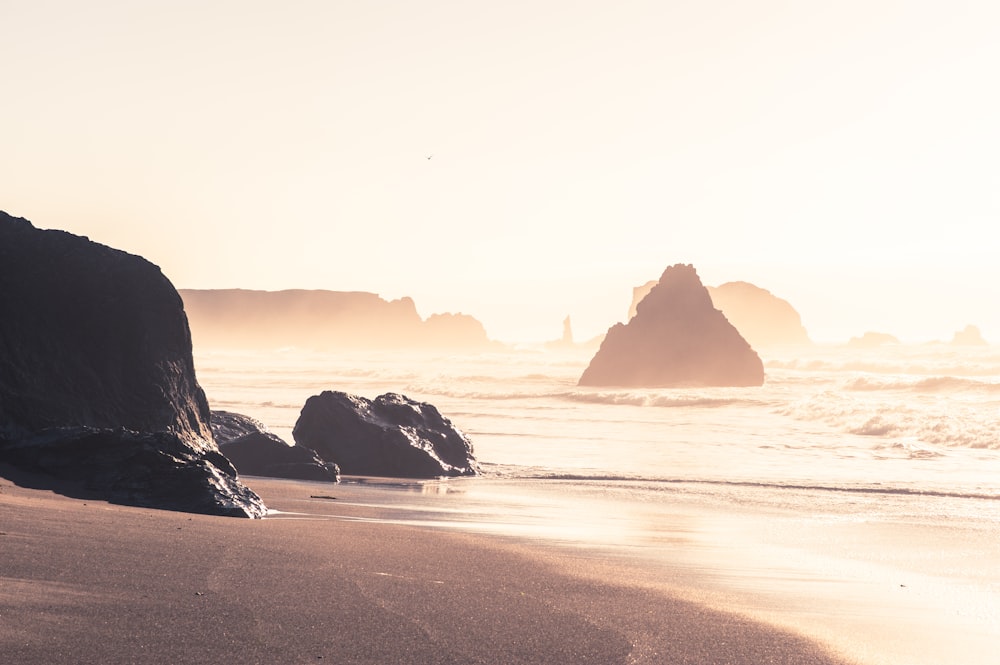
(323, 320)
(677, 338)
(98, 393)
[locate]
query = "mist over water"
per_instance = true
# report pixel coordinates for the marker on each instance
(908, 419)
(865, 481)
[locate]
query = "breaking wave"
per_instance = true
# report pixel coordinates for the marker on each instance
(944, 423)
(664, 484)
(929, 385)
(656, 400)
(627, 398)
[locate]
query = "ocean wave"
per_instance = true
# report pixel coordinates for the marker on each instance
(932, 384)
(611, 398)
(484, 395)
(654, 399)
(912, 450)
(652, 483)
(985, 367)
(929, 421)
(875, 426)
(215, 404)
(493, 379)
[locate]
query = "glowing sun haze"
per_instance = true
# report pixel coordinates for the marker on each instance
(842, 155)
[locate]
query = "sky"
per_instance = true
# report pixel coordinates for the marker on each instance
(525, 161)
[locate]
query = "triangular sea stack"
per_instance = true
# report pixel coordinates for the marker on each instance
(676, 339)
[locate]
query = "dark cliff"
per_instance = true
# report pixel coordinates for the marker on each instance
(97, 381)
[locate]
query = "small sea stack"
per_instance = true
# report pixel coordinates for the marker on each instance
(677, 338)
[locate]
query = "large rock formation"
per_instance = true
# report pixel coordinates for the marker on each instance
(320, 320)
(391, 436)
(762, 318)
(677, 338)
(969, 336)
(873, 340)
(97, 382)
(255, 451)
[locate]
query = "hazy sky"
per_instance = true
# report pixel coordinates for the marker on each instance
(843, 155)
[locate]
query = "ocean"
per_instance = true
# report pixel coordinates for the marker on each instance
(854, 497)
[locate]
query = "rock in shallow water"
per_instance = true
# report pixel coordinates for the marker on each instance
(392, 436)
(97, 381)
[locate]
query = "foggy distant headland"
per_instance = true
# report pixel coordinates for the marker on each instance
(322, 320)
(761, 317)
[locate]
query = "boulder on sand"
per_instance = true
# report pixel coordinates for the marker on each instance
(676, 339)
(255, 451)
(392, 436)
(98, 392)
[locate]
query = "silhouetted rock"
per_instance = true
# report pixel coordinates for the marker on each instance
(391, 436)
(322, 320)
(872, 340)
(970, 336)
(762, 318)
(677, 338)
(638, 293)
(255, 451)
(452, 331)
(97, 382)
(566, 341)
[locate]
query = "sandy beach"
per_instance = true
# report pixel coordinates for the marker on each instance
(325, 581)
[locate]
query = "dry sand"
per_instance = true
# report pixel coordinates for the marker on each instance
(85, 581)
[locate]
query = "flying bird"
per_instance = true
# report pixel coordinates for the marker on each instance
(429, 156)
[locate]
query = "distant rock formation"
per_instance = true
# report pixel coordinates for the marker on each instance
(452, 331)
(762, 318)
(638, 293)
(567, 337)
(970, 336)
(97, 381)
(391, 436)
(255, 451)
(566, 341)
(871, 340)
(677, 338)
(322, 320)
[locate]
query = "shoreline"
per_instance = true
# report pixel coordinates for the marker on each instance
(878, 581)
(91, 582)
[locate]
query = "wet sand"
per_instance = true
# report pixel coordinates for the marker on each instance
(85, 581)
